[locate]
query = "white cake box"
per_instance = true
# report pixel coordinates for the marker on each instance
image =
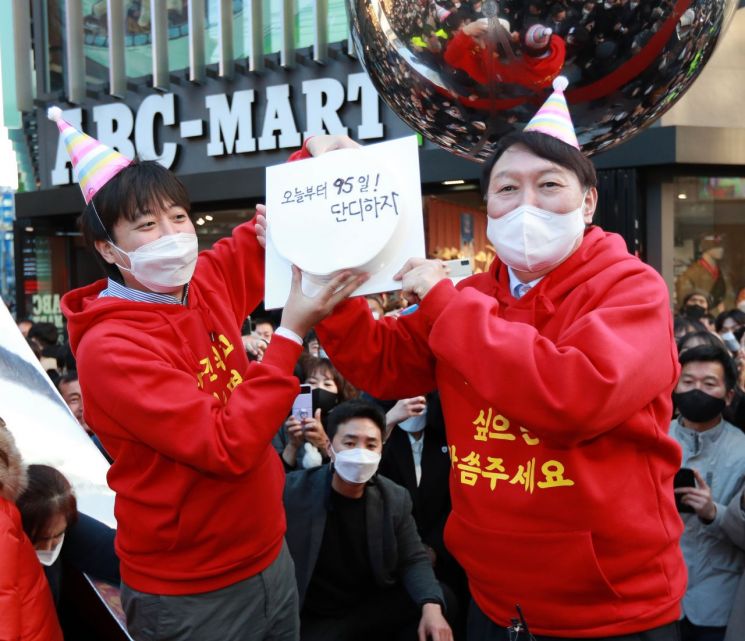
(355, 209)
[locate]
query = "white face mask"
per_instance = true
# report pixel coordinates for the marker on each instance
(356, 465)
(414, 424)
(163, 265)
(48, 557)
(530, 239)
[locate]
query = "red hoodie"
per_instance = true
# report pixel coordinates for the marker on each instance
(189, 422)
(557, 407)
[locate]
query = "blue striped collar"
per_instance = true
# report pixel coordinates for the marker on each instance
(117, 290)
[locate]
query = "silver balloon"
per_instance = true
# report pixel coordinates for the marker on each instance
(466, 72)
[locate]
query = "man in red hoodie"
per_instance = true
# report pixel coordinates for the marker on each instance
(185, 417)
(555, 371)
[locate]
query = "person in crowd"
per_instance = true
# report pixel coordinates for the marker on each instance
(693, 339)
(50, 519)
(705, 275)
(683, 325)
(24, 326)
(26, 606)
(557, 412)
(715, 451)
(695, 304)
(69, 389)
(733, 525)
(264, 328)
(415, 455)
(726, 324)
(173, 398)
(303, 443)
(361, 569)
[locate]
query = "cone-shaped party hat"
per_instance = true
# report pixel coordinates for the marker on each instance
(553, 117)
(93, 163)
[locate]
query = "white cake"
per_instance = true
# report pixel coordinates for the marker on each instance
(353, 226)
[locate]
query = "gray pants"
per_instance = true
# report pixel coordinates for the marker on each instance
(261, 608)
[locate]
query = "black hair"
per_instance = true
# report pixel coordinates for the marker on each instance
(45, 333)
(712, 354)
(704, 337)
(48, 493)
(140, 187)
(70, 377)
(683, 325)
(735, 314)
(355, 408)
(543, 146)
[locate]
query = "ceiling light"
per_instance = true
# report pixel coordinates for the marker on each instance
(454, 182)
(682, 197)
(208, 217)
(29, 229)
(200, 221)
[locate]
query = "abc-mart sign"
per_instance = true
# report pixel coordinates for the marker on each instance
(192, 129)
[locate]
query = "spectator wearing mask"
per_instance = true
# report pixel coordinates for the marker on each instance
(303, 444)
(264, 328)
(715, 450)
(726, 324)
(362, 571)
(59, 532)
(26, 606)
(415, 456)
(556, 422)
(695, 305)
(733, 525)
(188, 421)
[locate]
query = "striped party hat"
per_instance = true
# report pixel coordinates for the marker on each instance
(553, 117)
(93, 163)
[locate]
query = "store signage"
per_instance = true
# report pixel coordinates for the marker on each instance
(241, 122)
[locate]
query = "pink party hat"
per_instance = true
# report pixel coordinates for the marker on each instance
(553, 117)
(93, 163)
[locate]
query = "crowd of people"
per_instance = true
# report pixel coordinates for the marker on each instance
(495, 460)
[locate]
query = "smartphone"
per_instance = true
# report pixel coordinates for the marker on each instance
(302, 407)
(460, 268)
(683, 478)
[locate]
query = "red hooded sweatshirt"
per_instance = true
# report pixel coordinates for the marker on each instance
(169, 391)
(557, 407)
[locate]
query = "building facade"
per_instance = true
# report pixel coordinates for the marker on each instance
(217, 90)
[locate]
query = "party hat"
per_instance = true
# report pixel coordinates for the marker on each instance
(93, 163)
(553, 117)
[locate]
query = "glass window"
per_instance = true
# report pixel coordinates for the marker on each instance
(709, 234)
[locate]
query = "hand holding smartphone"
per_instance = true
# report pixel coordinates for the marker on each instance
(302, 407)
(684, 477)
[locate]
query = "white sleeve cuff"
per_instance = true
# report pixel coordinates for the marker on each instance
(288, 333)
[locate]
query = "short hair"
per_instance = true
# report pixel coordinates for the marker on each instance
(712, 354)
(704, 337)
(683, 325)
(46, 333)
(69, 377)
(48, 493)
(546, 147)
(139, 187)
(264, 321)
(735, 314)
(356, 408)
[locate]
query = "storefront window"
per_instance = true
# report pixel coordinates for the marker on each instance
(709, 236)
(45, 276)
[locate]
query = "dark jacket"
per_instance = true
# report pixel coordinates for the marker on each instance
(396, 551)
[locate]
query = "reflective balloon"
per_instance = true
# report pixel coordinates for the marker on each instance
(466, 72)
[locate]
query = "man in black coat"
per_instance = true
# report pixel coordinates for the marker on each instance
(361, 569)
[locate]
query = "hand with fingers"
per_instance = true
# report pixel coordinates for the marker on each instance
(314, 433)
(405, 408)
(433, 625)
(319, 145)
(419, 275)
(261, 225)
(699, 498)
(302, 312)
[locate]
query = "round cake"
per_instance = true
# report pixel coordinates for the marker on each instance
(352, 227)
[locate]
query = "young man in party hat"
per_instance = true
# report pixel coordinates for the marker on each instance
(557, 403)
(185, 417)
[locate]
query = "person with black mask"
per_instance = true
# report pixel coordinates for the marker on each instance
(695, 305)
(303, 444)
(715, 450)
